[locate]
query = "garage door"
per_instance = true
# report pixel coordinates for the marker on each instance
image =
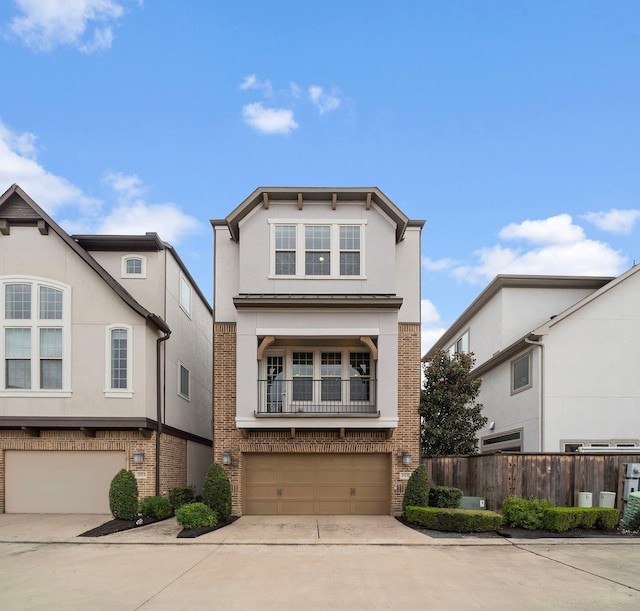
(324, 484)
(59, 482)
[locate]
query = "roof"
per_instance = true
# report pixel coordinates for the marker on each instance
(262, 196)
(17, 208)
(502, 281)
(280, 301)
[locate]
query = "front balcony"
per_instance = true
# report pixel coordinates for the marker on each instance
(325, 397)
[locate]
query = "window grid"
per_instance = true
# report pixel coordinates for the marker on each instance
(349, 250)
(119, 358)
(18, 301)
(134, 266)
(50, 303)
(285, 250)
(185, 382)
(317, 250)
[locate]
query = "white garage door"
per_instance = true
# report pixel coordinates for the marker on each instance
(58, 481)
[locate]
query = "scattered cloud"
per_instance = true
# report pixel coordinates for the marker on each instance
(83, 24)
(432, 327)
(554, 230)
(615, 221)
(324, 102)
(252, 82)
(269, 120)
(438, 265)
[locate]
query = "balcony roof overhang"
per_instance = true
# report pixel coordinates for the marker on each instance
(281, 301)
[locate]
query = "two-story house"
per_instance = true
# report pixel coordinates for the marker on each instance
(105, 343)
(558, 358)
(317, 351)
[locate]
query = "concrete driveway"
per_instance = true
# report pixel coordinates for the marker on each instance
(296, 563)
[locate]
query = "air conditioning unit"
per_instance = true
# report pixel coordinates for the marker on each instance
(473, 502)
(632, 469)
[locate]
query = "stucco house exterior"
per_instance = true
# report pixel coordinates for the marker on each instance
(559, 361)
(105, 344)
(317, 351)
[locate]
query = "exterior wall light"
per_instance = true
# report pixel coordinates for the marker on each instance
(138, 457)
(226, 457)
(406, 459)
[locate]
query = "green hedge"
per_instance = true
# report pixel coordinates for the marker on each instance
(196, 515)
(562, 519)
(417, 490)
(123, 495)
(445, 497)
(454, 520)
(181, 495)
(156, 507)
(524, 513)
(216, 492)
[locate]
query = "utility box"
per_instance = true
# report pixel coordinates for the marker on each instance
(630, 485)
(472, 502)
(607, 499)
(632, 470)
(584, 499)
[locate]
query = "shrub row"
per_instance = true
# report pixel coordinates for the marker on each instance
(524, 513)
(561, 519)
(445, 497)
(454, 520)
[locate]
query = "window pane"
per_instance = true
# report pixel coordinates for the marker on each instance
(185, 295)
(521, 373)
(302, 376)
(50, 343)
(50, 303)
(184, 381)
(134, 266)
(285, 237)
(286, 263)
(119, 358)
(349, 237)
(349, 263)
(51, 373)
(317, 263)
(331, 370)
(17, 343)
(317, 237)
(360, 372)
(17, 301)
(18, 373)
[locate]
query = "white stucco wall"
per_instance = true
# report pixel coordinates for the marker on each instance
(226, 273)
(408, 274)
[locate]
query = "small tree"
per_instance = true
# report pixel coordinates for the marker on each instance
(123, 495)
(449, 413)
(216, 492)
(417, 491)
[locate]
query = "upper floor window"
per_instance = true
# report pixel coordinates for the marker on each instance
(460, 345)
(133, 266)
(521, 373)
(185, 295)
(118, 358)
(184, 382)
(35, 328)
(317, 249)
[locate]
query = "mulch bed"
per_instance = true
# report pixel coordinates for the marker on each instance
(116, 526)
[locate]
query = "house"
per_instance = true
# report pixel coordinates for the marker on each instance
(106, 355)
(559, 361)
(317, 351)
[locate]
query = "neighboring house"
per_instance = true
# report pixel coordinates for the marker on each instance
(317, 351)
(105, 344)
(559, 361)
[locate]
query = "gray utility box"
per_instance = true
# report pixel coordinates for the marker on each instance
(632, 469)
(630, 485)
(473, 502)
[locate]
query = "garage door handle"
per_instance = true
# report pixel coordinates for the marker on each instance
(353, 491)
(279, 491)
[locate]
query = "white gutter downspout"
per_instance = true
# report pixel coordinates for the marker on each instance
(541, 402)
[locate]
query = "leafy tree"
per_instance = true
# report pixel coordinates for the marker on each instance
(449, 413)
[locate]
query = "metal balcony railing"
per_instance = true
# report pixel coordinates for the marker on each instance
(326, 396)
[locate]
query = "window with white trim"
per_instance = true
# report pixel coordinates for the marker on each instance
(118, 342)
(133, 266)
(317, 249)
(185, 295)
(184, 382)
(521, 373)
(35, 328)
(460, 345)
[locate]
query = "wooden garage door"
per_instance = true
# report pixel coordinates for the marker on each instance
(60, 482)
(324, 484)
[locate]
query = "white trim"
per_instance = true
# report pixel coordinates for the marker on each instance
(323, 332)
(118, 393)
(123, 266)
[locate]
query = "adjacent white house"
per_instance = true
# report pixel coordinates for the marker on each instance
(317, 350)
(559, 361)
(106, 350)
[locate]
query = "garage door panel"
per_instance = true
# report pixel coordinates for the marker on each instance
(334, 477)
(296, 477)
(333, 493)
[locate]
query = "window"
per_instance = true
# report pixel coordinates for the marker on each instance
(317, 249)
(359, 376)
(184, 389)
(118, 358)
(510, 441)
(460, 345)
(133, 266)
(34, 346)
(521, 373)
(303, 376)
(185, 295)
(330, 373)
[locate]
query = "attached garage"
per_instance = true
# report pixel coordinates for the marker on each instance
(321, 484)
(60, 481)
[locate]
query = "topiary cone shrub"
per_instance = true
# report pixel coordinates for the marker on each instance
(123, 495)
(417, 491)
(216, 492)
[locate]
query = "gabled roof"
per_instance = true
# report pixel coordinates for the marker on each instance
(502, 281)
(17, 208)
(310, 195)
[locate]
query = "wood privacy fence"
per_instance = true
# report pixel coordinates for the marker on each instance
(557, 477)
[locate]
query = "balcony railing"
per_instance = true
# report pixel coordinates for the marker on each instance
(326, 396)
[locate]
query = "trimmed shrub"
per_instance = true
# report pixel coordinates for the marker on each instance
(216, 492)
(181, 495)
(196, 515)
(445, 497)
(562, 519)
(454, 520)
(156, 507)
(524, 513)
(417, 492)
(123, 495)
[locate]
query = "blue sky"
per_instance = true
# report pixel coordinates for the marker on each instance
(511, 127)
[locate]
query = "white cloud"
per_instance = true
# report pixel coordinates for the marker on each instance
(269, 120)
(84, 24)
(615, 221)
(553, 230)
(432, 328)
(251, 82)
(18, 165)
(437, 265)
(324, 102)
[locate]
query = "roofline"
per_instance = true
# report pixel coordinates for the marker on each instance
(314, 194)
(502, 281)
(88, 259)
(317, 300)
